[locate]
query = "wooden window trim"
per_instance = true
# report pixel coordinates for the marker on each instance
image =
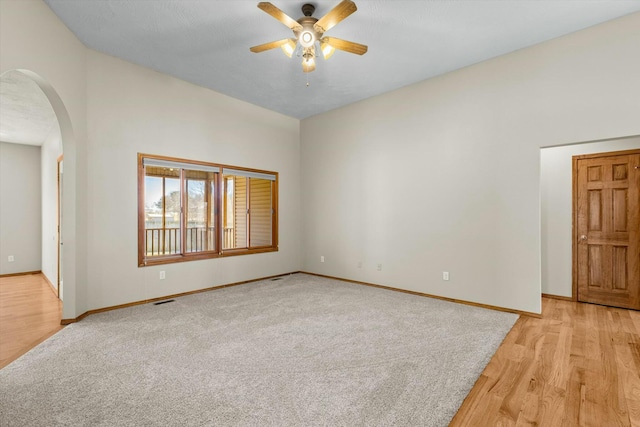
(218, 184)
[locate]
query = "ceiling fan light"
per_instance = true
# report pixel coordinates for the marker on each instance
(327, 50)
(308, 64)
(289, 47)
(307, 38)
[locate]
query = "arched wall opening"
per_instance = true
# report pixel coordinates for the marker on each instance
(68, 236)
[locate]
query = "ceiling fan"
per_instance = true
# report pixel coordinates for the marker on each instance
(309, 33)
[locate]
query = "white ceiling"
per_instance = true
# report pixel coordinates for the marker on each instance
(207, 42)
(26, 116)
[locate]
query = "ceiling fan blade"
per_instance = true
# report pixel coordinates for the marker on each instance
(347, 46)
(280, 15)
(335, 15)
(267, 46)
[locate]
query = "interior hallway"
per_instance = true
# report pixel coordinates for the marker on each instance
(30, 312)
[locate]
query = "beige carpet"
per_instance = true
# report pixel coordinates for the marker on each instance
(300, 351)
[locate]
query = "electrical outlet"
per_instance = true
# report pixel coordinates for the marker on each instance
(379, 267)
(10, 258)
(445, 275)
(322, 259)
(162, 275)
(359, 264)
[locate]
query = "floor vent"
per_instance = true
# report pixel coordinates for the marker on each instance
(163, 302)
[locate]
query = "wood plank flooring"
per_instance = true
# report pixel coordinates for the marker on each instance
(578, 365)
(29, 313)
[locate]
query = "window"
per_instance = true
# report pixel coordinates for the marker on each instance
(192, 210)
(248, 209)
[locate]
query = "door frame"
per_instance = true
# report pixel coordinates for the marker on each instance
(58, 224)
(574, 212)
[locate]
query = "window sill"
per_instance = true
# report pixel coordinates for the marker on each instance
(209, 255)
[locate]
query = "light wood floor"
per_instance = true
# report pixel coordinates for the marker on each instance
(30, 313)
(578, 365)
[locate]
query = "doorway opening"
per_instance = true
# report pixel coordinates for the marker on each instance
(556, 210)
(32, 104)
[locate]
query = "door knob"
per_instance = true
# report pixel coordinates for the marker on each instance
(583, 237)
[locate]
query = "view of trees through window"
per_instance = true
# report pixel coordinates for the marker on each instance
(162, 212)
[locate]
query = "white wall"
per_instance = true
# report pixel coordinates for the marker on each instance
(49, 152)
(19, 208)
(444, 175)
(33, 38)
(556, 209)
(133, 110)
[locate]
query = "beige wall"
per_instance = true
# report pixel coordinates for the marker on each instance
(444, 175)
(19, 208)
(556, 209)
(458, 154)
(116, 110)
(133, 110)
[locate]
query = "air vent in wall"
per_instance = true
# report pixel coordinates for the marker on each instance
(163, 302)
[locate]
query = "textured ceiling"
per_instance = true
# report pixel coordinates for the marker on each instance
(26, 116)
(207, 42)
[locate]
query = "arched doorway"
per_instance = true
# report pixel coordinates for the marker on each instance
(60, 259)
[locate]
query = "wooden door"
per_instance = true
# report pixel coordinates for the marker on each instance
(607, 228)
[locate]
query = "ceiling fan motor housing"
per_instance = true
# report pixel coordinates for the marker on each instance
(308, 9)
